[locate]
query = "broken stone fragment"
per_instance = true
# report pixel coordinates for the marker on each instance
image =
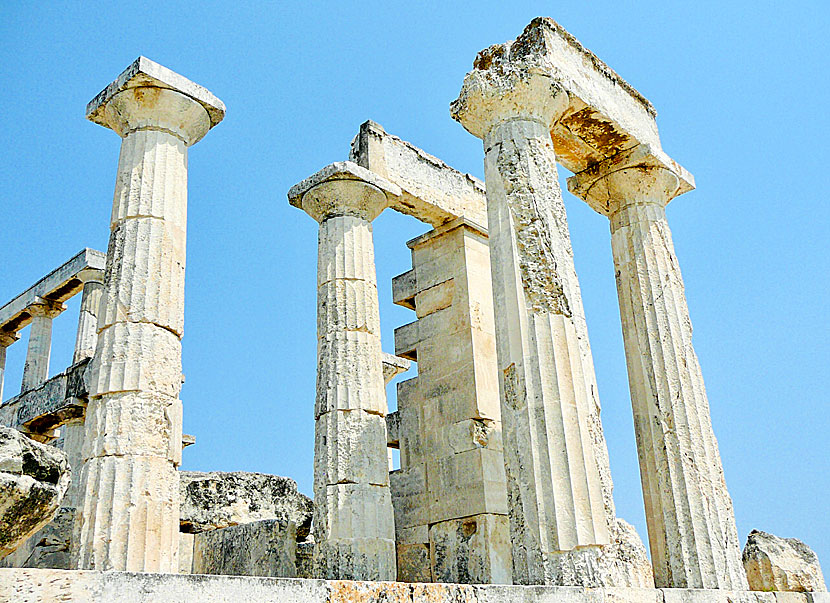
(781, 564)
(33, 479)
(218, 499)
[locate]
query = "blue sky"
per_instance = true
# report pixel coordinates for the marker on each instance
(741, 91)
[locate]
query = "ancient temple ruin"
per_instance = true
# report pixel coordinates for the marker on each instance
(504, 475)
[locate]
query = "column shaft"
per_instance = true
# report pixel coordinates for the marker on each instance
(691, 524)
(88, 320)
(554, 484)
(130, 513)
(36, 369)
(354, 525)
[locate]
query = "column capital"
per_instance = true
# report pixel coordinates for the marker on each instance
(45, 307)
(148, 96)
(90, 275)
(7, 338)
(643, 174)
(502, 87)
(343, 189)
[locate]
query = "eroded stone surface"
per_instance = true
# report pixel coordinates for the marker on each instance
(33, 479)
(49, 547)
(217, 499)
(260, 548)
(781, 564)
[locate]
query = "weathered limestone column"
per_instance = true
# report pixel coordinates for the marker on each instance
(555, 495)
(129, 518)
(6, 339)
(353, 518)
(88, 320)
(36, 369)
(691, 524)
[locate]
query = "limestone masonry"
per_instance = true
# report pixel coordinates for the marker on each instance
(504, 490)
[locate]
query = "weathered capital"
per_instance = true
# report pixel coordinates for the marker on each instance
(147, 96)
(45, 307)
(642, 175)
(343, 189)
(90, 275)
(496, 91)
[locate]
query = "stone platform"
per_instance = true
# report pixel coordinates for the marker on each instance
(40, 585)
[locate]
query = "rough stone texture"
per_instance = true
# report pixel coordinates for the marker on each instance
(559, 486)
(50, 547)
(33, 480)
(40, 586)
(305, 559)
(353, 517)
(449, 495)
(129, 519)
(187, 542)
(781, 564)
(214, 500)
(259, 548)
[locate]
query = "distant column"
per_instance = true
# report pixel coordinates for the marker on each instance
(558, 516)
(36, 370)
(353, 517)
(129, 517)
(88, 320)
(691, 523)
(6, 339)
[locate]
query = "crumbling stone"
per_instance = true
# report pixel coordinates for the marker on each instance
(781, 564)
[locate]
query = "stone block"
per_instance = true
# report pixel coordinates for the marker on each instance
(409, 500)
(471, 550)
(187, 543)
(47, 548)
(218, 499)
(413, 562)
(33, 480)
(345, 441)
(404, 289)
(469, 483)
(781, 564)
(437, 297)
(340, 513)
(259, 548)
(305, 559)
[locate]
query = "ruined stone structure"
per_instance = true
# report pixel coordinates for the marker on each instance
(504, 476)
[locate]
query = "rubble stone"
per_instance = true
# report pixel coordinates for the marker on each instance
(781, 564)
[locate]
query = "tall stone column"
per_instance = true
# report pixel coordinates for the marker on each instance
(36, 369)
(691, 524)
(129, 518)
(6, 339)
(88, 320)
(353, 517)
(558, 516)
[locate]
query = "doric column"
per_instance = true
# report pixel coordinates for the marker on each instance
(554, 482)
(353, 518)
(129, 518)
(88, 320)
(691, 524)
(36, 369)
(6, 339)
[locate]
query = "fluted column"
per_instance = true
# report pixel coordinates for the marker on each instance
(36, 369)
(555, 491)
(88, 319)
(691, 523)
(129, 518)
(6, 339)
(353, 517)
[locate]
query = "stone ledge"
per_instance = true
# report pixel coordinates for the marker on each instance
(37, 585)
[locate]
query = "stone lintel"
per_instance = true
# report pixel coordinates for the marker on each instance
(57, 286)
(394, 366)
(605, 114)
(146, 73)
(460, 222)
(341, 170)
(646, 156)
(432, 191)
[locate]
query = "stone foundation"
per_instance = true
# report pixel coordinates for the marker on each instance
(36, 585)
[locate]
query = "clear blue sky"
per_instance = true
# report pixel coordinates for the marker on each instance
(741, 89)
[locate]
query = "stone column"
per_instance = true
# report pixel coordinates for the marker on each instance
(129, 517)
(6, 339)
(36, 369)
(691, 524)
(88, 320)
(558, 515)
(353, 518)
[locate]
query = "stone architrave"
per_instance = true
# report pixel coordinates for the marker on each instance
(88, 320)
(691, 523)
(560, 512)
(129, 517)
(36, 369)
(6, 339)
(353, 518)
